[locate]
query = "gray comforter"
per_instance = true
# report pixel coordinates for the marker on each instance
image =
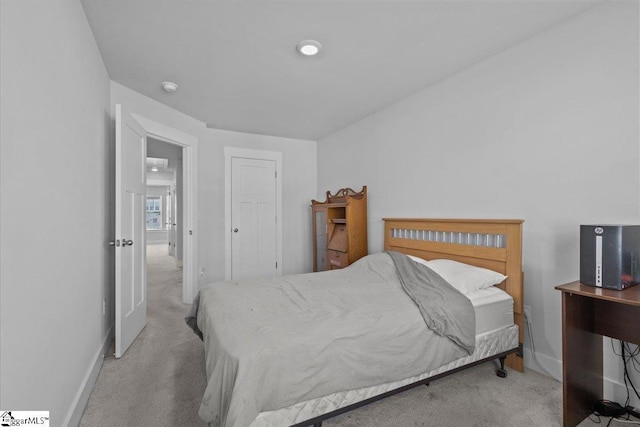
(445, 310)
(271, 343)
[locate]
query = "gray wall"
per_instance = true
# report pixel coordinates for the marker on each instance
(299, 183)
(546, 131)
(55, 221)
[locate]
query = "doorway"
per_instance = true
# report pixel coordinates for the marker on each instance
(185, 207)
(132, 134)
(164, 216)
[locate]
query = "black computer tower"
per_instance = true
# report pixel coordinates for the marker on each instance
(610, 255)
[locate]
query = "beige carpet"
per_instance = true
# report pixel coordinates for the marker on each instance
(161, 378)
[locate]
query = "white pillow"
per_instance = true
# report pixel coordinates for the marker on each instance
(419, 260)
(464, 277)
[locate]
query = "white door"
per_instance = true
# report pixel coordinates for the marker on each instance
(253, 218)
(131, 273)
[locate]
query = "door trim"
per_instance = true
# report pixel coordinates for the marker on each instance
(189, 146)
(245, 153)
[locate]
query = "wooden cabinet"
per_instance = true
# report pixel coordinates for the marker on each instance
(339, 229)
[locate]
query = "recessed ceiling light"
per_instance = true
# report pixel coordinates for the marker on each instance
(169, 87)
(309, 47)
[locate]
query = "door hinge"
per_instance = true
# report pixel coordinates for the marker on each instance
(276, 174)
(276, 265)
(190, 232)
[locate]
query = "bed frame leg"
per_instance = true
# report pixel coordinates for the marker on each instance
(501, 372)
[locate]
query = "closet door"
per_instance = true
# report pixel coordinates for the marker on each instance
(253, 218)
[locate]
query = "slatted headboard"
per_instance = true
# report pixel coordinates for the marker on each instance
(489, 243)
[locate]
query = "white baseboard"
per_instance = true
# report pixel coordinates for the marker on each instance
(554, 366)
(86, 387)
(612, 389)
(616, 391)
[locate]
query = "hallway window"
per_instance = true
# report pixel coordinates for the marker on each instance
(154, 213)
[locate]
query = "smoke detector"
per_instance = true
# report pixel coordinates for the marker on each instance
(169, 87)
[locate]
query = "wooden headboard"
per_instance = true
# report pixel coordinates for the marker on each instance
(489, 243)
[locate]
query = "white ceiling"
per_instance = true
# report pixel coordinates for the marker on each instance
(237, 68)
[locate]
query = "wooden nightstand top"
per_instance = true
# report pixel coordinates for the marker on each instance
(630, 296)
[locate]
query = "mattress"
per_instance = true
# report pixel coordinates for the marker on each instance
(495, 333)
(494, 309)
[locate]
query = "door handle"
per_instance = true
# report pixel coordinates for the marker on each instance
(115, 243)
(235, 230)
(126, 242)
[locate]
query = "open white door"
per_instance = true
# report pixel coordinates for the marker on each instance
(131, 271)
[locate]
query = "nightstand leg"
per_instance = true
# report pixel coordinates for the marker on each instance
(581, 358)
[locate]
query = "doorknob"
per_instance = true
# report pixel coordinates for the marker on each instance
(235, 230)
(126, 242)
(115, 243)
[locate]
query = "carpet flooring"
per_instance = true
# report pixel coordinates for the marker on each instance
(160, 380)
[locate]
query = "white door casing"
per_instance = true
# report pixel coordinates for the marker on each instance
(130, 242)
(189, 146)
(253, 193)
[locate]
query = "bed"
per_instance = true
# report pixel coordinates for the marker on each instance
(296, 350)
